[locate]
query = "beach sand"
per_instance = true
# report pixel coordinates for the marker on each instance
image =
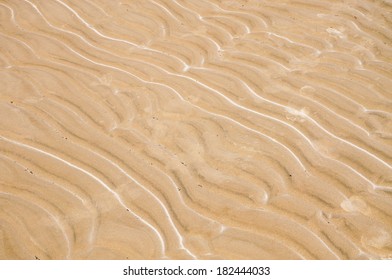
(195, 129)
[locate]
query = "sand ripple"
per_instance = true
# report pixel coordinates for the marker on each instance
(206, 129)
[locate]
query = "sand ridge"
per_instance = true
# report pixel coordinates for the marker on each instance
(172, 129)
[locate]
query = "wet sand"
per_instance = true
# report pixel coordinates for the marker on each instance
(174, 129)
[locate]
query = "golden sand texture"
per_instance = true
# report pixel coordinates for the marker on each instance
(195, 129)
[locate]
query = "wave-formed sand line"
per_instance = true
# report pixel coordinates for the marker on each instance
(195, 129)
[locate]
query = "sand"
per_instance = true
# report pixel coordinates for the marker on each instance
(195, 129)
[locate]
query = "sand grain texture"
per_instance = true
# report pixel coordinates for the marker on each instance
(173, 129)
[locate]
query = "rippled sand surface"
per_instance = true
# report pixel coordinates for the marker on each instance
(195, 129)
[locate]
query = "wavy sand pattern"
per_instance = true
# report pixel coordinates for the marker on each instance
(195, 129)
